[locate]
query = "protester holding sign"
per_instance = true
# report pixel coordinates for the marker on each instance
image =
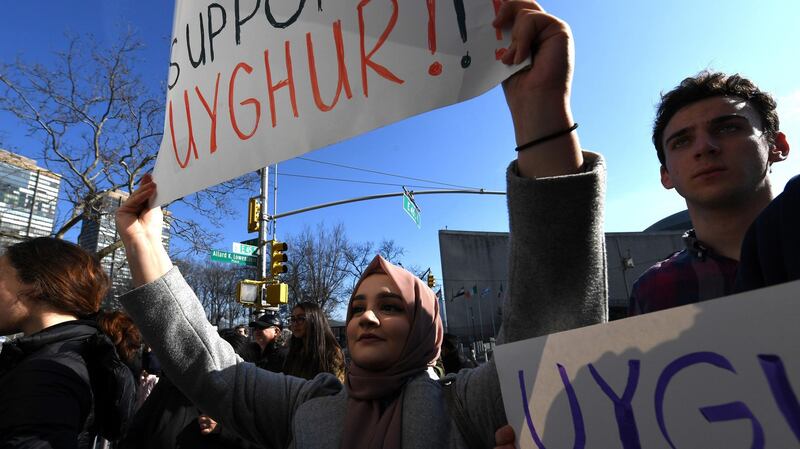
(716, 137)
(394, 329)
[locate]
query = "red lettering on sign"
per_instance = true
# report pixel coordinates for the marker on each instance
(312, 68)
(192, 149)
(212, 113)
(366, 58)
(288, 82)
(252, 101)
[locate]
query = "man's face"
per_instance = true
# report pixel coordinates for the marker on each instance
(265, 336)
(716, 153)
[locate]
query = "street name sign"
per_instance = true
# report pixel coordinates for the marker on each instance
(218, 255)
(251, 242)
(247, 250)
(411, 209)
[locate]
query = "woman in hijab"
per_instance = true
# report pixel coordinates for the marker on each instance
(393, 326)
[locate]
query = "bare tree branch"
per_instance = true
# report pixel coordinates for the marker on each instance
(100, 128)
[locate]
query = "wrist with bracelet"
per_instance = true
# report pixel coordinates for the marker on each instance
(547, 138)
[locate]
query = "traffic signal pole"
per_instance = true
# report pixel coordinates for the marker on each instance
(262, 232)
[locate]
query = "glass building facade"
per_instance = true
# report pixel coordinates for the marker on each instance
(28, 198)
(98, 231)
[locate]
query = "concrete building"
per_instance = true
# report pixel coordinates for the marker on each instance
(475, 269)
(98, 231)
(28, 198)
(474, 273)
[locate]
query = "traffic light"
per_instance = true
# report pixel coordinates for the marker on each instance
(248, 293)
(277, 294)
(278, 258)
(253, 214)
(431, 280)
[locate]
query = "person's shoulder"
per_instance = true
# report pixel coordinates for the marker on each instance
(322, 385)
(793, 185)
(54, 377)
(675, 262)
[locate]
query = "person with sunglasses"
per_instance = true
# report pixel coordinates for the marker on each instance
(313, 349)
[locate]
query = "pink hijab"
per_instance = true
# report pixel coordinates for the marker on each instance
(364, 425)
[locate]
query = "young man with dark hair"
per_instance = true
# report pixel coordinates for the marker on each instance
(716, 137)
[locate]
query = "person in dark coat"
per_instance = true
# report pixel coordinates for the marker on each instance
(62, 384)
(269, 354)
(453, 360)
(771, 247)
(169, 420)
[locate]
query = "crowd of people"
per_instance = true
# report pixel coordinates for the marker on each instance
(74, 377)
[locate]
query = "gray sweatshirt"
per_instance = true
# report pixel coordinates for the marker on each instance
(557, 281)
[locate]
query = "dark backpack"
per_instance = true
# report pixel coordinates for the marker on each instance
(112, 385)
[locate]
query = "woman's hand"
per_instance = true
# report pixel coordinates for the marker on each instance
(504, 438)
(140, 228)
(207, 425)
(539, 96)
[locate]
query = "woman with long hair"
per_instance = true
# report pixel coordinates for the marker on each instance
(312, 348)
(394, 330)
(62, 384)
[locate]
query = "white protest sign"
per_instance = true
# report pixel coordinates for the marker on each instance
(719, 374)
(254, 82)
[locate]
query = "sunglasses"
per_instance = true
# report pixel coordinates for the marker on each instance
(297, 319)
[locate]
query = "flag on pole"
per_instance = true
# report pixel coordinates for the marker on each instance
(500, 292)
(460, 292)
(486, 291)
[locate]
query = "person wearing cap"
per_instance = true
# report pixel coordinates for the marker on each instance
(266, 350)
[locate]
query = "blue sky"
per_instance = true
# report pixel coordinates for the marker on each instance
(627, 53)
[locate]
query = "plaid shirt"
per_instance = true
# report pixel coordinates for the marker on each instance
(692, 275)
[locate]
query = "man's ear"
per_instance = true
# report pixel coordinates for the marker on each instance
(779, 151)
(666, 181)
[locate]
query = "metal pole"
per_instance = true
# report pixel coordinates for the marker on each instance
(275, 204)
(494, 307)
(383, 195)
(262, 230)
(443, 307)
(480, 315)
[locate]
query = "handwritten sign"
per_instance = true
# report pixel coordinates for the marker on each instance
(254, 82)
(723, 373)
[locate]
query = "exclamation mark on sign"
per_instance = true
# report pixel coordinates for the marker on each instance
(498, 53)
(461, 16)
(435, 69)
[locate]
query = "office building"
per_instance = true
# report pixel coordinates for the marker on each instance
(99, 231)
(28, 197)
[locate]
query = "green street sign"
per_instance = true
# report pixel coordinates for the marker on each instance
(247, 250)
(411, 209)
(239, 259)
(251, 242)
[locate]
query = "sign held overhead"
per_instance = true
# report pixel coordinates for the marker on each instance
(252, 83)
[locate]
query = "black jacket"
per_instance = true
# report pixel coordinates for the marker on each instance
(62, 386)
(771, 246)
(272, 358)
(168, 420)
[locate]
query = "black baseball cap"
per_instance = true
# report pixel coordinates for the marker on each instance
(267, 320)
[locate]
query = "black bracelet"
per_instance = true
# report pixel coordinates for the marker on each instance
(548, 137)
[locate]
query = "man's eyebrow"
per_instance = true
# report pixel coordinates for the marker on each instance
(713, 121)
(725, 118)
(359, 298)
(676, 134)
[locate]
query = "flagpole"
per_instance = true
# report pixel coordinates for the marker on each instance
(480, 317)
(494, 330)
(443, 307)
